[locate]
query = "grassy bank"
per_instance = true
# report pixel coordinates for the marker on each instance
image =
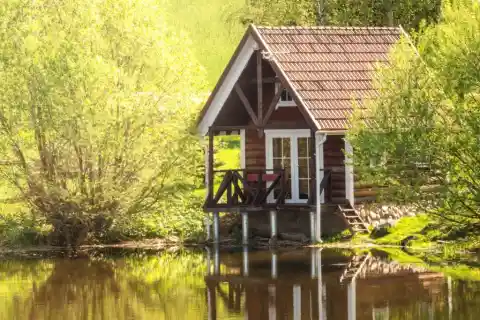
(423, 233)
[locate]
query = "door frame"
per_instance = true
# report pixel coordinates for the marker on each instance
(293, 134)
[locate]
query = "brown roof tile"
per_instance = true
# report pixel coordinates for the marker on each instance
(329, 67)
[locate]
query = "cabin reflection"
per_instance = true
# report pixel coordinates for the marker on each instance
(311, 284)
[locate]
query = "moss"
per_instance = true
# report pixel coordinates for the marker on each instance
(406, 227)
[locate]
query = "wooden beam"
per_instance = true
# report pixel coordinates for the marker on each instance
(246, 103)
(266, 80)
(211, 138)
(273, 105)
(259, 87)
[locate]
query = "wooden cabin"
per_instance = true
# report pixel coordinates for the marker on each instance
(288, 92)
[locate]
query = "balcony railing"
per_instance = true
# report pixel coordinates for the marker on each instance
(257, 189)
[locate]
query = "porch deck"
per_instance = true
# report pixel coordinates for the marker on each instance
(247, 190)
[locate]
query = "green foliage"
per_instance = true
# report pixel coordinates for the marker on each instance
(95, 111)
(421, 136)
(408, 13)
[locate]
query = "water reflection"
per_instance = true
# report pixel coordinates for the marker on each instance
(316, 284)
(284, 284)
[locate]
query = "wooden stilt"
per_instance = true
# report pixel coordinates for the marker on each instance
(208, 236)
(313, 237)
(216, 228)
(245, 228)
(273, 223)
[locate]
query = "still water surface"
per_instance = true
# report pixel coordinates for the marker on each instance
(300, 284)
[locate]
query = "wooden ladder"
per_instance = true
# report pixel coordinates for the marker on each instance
(353, 220)
(354, 267)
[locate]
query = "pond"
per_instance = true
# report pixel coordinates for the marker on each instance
(289, 284)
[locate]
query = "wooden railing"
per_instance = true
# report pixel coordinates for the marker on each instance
(259, 188)
(248, 188)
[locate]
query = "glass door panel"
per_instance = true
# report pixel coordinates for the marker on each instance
(281, 157)
(303, 160)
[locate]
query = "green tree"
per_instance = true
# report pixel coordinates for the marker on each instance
(409, 13)
(95, 109)
(422, 134)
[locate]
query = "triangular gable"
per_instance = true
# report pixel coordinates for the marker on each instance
(250, 42)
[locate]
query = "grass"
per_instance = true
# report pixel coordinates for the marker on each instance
(212, 28)
(405, 227)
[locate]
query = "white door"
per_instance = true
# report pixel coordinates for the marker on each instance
(290, 150)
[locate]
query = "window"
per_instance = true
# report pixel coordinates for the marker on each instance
(286, 99)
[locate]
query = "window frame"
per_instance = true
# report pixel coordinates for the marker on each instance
(293, 135)
(284, 103)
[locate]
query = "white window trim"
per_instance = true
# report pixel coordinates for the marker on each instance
(281, 103)
(293, 134)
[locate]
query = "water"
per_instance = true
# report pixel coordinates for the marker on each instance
(300, 284)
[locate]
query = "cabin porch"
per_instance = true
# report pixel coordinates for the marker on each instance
(273, 188)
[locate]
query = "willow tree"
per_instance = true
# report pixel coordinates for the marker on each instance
(96, 103)
(421, 137)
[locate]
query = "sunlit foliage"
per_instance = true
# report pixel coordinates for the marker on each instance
(421, 137)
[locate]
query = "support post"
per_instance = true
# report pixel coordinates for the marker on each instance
(313, 237)
(349, 179)
(273, 224)
(320, 139)
(313, 264)
(245, 228)
(207, 227)
(216, 228)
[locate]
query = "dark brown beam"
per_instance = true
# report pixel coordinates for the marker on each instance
(259, 87)
(246, 103)
(273, 105)
(211, 137)
(266, 80)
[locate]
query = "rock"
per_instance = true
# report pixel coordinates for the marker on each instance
(300, 237)
(405, 241)
(381, 230)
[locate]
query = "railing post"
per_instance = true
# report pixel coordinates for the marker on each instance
(229, 188)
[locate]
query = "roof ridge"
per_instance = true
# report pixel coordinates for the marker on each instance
(329, 27)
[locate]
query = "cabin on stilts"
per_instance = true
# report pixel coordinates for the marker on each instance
(288, 93)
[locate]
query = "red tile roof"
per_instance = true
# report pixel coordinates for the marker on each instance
(329, 67)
